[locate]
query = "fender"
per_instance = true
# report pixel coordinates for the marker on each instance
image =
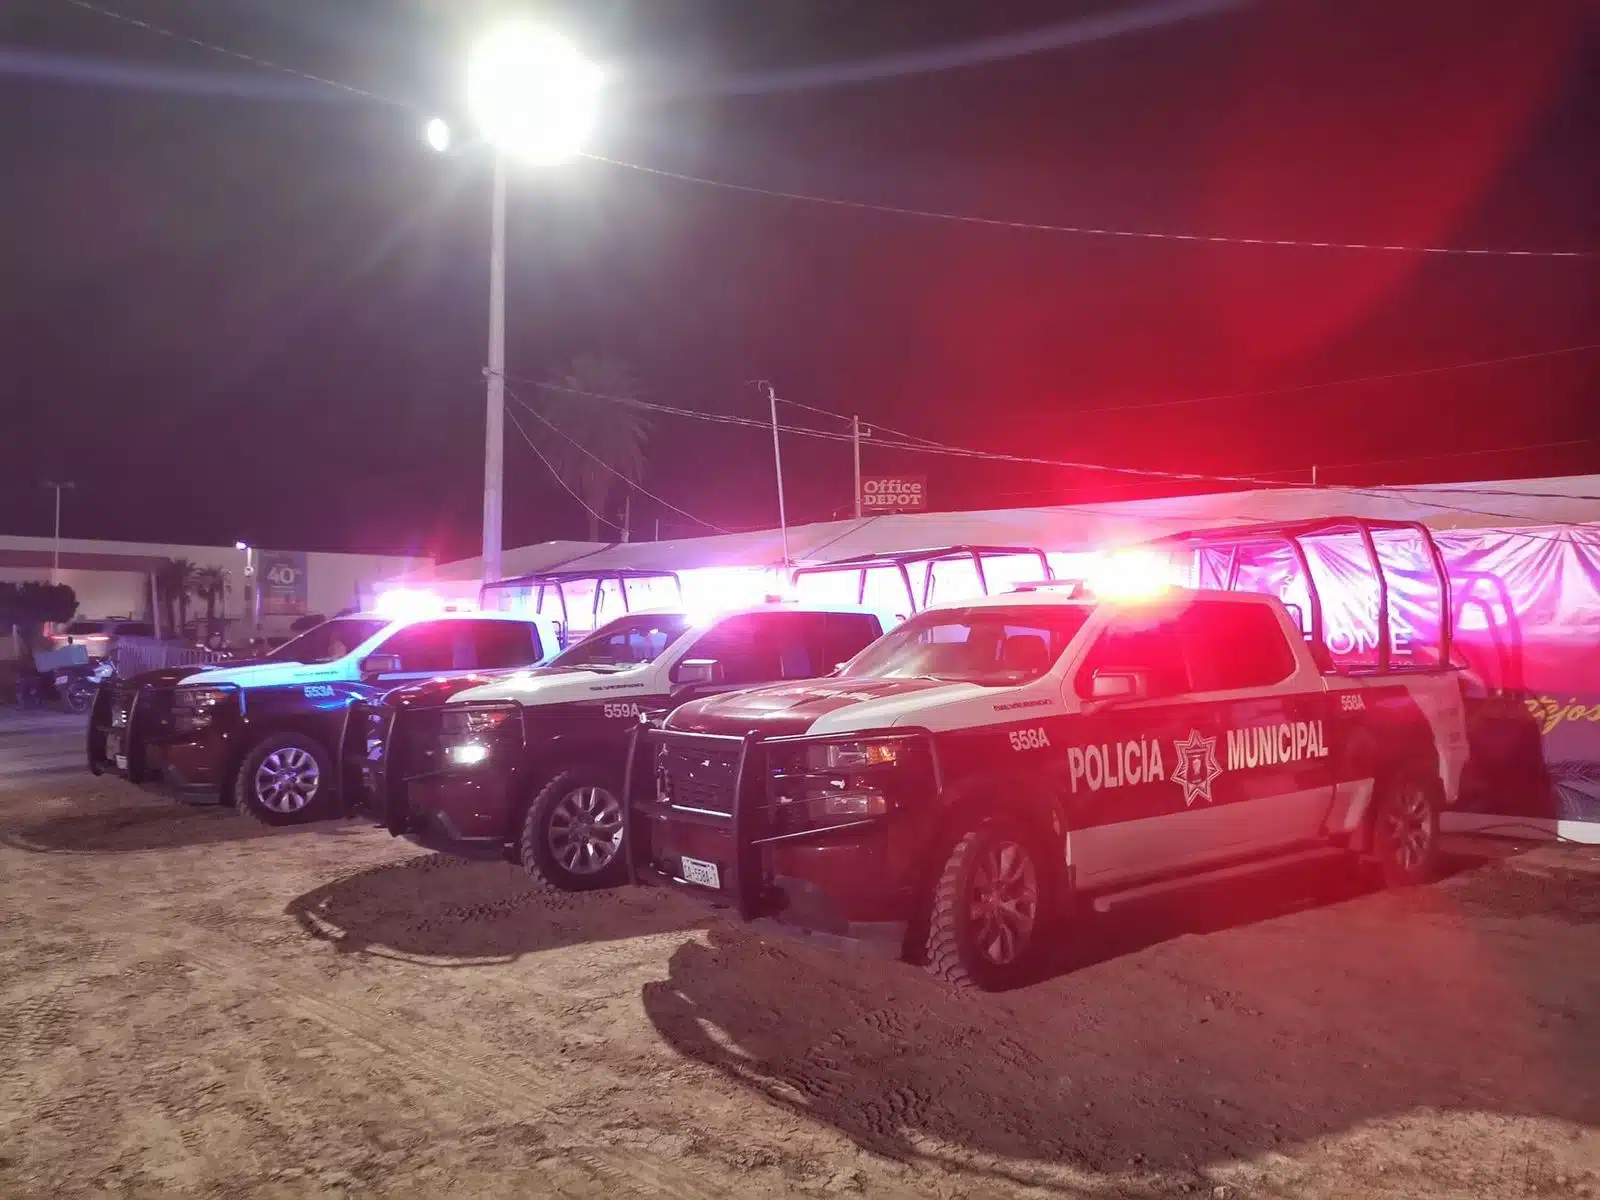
(317, 710)
(1037, 798)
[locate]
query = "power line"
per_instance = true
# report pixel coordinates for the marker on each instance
(1263, 392)
(238, 56)
(570, 491)
(866, 206)
(1334, 383)
(550, 425)
(1388, 493)
(927, 446)
(1083, 230)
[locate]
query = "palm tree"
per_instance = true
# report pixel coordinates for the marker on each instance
(175, 580)
(593, 445)
(211, 585)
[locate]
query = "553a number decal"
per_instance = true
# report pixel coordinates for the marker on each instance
(1029, 739)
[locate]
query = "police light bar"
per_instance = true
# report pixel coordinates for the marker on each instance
(1131, 575)
(405, 604)
(1073, 588)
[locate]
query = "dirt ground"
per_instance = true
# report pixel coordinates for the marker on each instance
(191, 1005)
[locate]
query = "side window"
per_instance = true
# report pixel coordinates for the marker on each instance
(746, 648)
(503, 644)
(428, 646)
(844, 635)
(1231, 646)
(1129, 645)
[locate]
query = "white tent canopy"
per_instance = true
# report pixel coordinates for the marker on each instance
(1504, 504)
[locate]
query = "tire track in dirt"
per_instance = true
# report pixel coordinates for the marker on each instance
(503, 1086)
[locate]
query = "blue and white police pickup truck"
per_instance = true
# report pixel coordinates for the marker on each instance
(950, 792)
(265, 734)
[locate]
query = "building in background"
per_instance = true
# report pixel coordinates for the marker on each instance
(118, 579)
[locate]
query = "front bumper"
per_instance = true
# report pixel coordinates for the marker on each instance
(390, 770)
(845, 885)
(131, 735)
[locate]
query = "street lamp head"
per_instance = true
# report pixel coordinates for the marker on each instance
(437, 134)
(241, 546)
(532, 94)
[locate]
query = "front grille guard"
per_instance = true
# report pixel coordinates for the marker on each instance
(357, 770)
(749, 773)
(148, 712)
(750, 822)
(389, 774)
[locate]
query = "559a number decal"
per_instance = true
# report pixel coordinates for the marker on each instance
(1029, 739)
(625, 711)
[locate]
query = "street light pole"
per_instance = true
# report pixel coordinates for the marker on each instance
(55, 562)
(535, 99)
(494, 432)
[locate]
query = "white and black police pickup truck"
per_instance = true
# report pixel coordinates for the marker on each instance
(530, 766)
(949, 792)
(266, 733)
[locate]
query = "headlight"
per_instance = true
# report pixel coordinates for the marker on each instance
(836, 756)
(825, 783)
(194, 708)
(468, 735)
(474, 721)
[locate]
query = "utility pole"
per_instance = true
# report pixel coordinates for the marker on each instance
(55, 562)
(777, 462)
(627, 514)
(855, 442)
(494, 436)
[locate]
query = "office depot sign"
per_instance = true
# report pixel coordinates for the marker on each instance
(894, 493)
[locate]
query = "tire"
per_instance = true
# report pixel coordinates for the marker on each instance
(1405, 827)
(572, 822)
(79, 696)
(998, 853)
(291, 760)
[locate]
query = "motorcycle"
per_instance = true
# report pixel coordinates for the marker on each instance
(73, 687)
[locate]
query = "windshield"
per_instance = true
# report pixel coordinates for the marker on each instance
(329, 641)
(625, 642)
(995, 647)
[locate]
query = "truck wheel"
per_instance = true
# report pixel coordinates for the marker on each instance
(990, 908)
(572, 833)
(286, 779)
(1405, 827)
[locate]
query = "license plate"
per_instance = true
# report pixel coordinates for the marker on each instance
(703, 873)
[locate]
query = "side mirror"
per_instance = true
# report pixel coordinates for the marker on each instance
(380, 664)
(698, 672)
(1123, 686)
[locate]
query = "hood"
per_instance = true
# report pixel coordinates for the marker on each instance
(556, 685)
(794, 708)
(267, 674)
(431, 693)
(163, 677)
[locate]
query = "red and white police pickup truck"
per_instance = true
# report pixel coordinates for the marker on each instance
(952, 788)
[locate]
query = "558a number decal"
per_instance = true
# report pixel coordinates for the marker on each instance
(1029, 739)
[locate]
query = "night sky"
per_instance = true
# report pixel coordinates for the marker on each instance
(237, 305)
